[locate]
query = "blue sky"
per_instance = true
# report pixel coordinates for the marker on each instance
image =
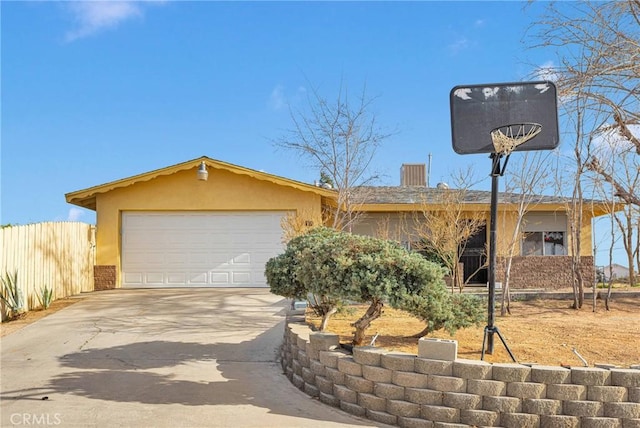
(97, 91)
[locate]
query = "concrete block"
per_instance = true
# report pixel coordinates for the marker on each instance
(358, 384)
(634, 395)
(409, 379)
(472, 369)
(324, 384)
(308, 375)
(502, 404)
(507, 372)
(330, 358)
(368, 355)
(486, 387)
(343, 393)
(297, 381)
(449, 425)
(479, 418)
(329, 399)
(302, 340)
(607, 393)
(541, 406)
(435, 367)
(622, 410)
(601, 423)
(631, 423)
(311, 390)
(438, 349)
(414, 423)
(297, 367)
(398, 361)
(423, 396)
(446, 383)
(461, 400)
(382, 417)
(550, 374)
(322, 341)
(403, 408)
(289, 372)
(376, 374)
(440, 413)
(312, 353)
(317, 368)
(582, 408)
(302, 358)
(559, 421)
(350, 367)
(389, 391)
(519, 420)
(372, 402)
(625, 377)
(590, 376)
(335, 376)
(526, 390)
(353, 408)
(567, 392)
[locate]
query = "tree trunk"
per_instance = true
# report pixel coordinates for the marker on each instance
(422, 333)
(373, 312)
(506, 296)
(325, 318)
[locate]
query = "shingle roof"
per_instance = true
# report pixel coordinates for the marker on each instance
(420, 194)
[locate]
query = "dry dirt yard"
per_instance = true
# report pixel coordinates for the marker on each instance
(537, 331)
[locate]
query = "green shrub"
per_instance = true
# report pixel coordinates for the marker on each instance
(45, 297)
(11, 295)
(328, 268)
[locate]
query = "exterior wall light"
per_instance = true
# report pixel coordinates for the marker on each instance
(203, 174)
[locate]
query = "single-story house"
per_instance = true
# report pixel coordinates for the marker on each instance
(208, 223)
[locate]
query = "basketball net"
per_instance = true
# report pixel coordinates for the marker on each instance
(507, 138)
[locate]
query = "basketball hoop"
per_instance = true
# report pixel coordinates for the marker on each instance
(506, 138)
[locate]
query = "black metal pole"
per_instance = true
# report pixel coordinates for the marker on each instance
(493, 256)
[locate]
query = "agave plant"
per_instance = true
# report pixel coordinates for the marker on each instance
(45, 297)
(11, 295)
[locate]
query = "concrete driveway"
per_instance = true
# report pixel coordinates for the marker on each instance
(157, 358)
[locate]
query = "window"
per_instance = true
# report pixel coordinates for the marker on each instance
(543, 244)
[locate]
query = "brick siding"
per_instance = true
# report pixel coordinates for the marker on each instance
(104, 277)
(546, 272)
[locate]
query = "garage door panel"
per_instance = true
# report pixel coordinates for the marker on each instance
(199, 249)
(219, 278)
(154, 278)
(241, 278)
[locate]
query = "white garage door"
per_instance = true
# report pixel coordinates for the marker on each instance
(198, 249)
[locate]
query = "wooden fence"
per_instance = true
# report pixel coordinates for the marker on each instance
(59, 256)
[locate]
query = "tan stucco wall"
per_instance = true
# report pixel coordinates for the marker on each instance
(223, 190)
(401, 227)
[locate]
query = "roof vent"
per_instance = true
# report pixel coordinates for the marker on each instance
(442, 186)
(413, 174)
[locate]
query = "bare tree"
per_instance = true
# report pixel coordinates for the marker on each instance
(598, 46)
(340, 139)
(525, 181)
(446, 223)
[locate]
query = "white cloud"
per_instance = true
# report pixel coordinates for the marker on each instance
(548, 71)
(277, 98)
(75, 214)
(92, 17)
(460, 44)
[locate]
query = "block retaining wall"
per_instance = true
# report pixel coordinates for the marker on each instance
(417, 392)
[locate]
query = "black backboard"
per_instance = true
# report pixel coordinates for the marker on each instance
(478, 109)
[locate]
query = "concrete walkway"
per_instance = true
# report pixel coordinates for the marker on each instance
(157, 358)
